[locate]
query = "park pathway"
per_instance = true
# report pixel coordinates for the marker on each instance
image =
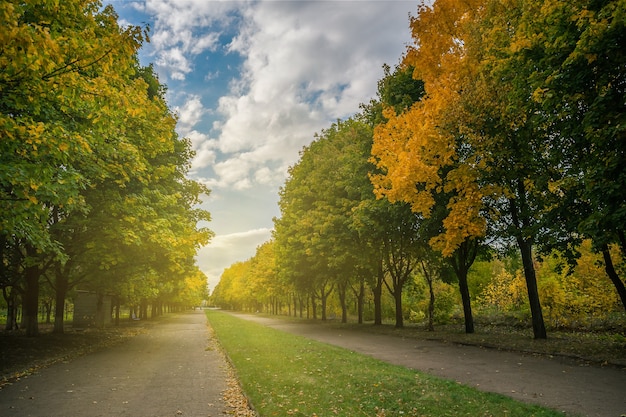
(170, 370)
(558, 383)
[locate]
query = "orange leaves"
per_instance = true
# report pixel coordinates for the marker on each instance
(438, 36)
(416, 151)
(411, 149)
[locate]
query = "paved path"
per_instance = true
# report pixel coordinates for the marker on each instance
(167, 371)
(171, 370)
(556, 383)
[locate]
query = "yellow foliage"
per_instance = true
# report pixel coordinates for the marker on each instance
(506, 292)
(577, 296)
(415, 149)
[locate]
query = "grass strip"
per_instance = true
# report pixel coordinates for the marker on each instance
(289, 375)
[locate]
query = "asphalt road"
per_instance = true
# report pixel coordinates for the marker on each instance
(174, 369)
(558, 383)
(170, 370)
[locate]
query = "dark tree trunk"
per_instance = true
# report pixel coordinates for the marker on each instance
(522, 223)
(117, 311)
(539, 328)
(397, 296)
(31, 301)
(100, 311)
(313, 307)
(61, 287)
(467, 304)
(431, 303)
(461, 262)
(359, 301)
(10, 297)
(613, 276)
(48, 310)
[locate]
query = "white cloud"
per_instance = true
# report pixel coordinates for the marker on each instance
(225, 250)
(204, 148)
(190, 113)
(233, 240)
(174, 61)
(185, 28)
(306, 64)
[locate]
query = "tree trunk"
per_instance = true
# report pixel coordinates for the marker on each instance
(313, 307)
(467, 304)
(31, 301)
(431, 303)
(378, 295)
(342, 300)
(397, 296)
(11, 300)
(461, 262)
(431, 306)
(539, 328)
(613, 276)
(359, 302)
(100, 311)
(117, 311)
(48, 309)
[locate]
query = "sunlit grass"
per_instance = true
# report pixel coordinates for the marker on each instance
(285, 374)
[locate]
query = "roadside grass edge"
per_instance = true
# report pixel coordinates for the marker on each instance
(283, 374)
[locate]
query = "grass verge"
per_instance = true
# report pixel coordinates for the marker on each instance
(284, 375)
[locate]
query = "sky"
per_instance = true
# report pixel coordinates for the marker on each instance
(252, 82)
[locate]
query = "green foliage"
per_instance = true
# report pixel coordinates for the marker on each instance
(93, 188)
(479, 276)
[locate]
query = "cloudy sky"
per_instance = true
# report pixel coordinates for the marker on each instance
(252, 82)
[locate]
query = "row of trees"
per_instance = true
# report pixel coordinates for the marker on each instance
(93, 187)
(573, 297)
(503, 126)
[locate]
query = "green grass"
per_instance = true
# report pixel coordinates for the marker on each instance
(285, 375)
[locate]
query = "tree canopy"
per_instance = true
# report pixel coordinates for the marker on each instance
(93, 175)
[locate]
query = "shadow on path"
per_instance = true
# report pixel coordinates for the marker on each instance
(167, 371)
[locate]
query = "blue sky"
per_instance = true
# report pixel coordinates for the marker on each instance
(252, 82)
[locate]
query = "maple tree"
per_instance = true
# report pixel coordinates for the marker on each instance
(397, 94)
(458, 142)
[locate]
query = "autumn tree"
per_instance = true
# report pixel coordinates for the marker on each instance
(416, 163)
(86, 129)
(557, 83)
(264, 281)
(468, 138)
